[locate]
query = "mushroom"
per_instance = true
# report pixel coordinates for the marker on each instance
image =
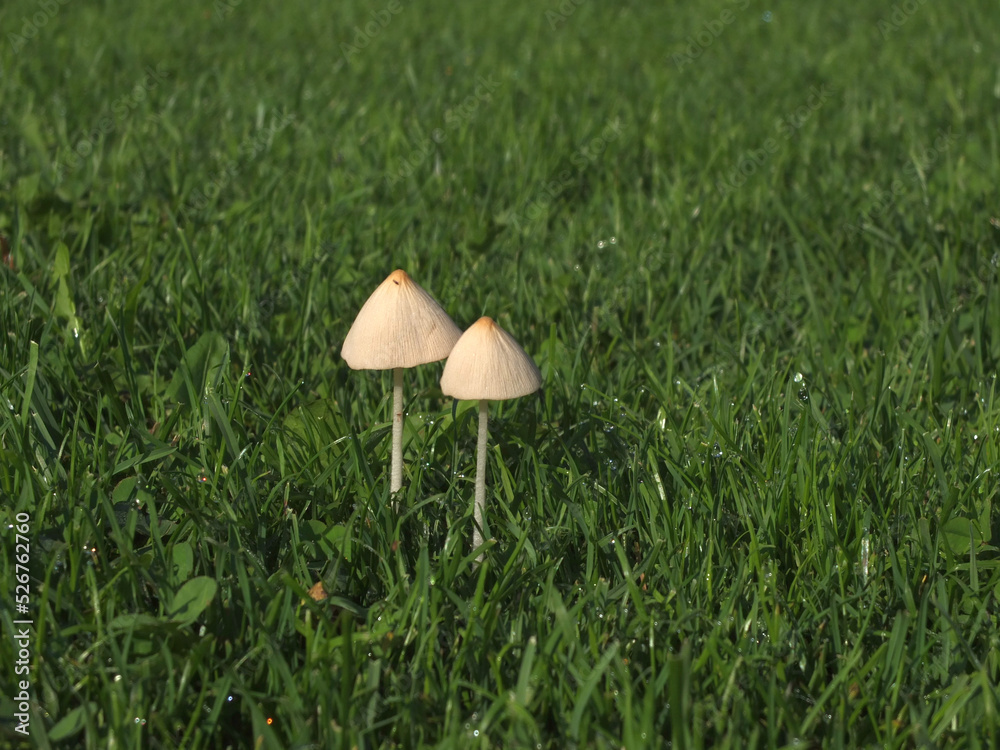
(487, 364)
(399, 326)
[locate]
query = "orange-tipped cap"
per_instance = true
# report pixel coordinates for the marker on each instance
(487, 363)
(400, 325)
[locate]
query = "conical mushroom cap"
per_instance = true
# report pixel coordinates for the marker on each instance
(400, 325)
(487, 363)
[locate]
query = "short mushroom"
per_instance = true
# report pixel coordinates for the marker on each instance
(487, 364)
(400, 326)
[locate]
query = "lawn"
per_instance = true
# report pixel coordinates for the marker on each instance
(754, 250)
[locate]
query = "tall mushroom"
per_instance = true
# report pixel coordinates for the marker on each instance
(487, 364)
(400, 326)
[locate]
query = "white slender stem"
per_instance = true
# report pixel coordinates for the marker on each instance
(397, 430)
(480, 508)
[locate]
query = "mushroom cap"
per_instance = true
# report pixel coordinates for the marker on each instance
(400, 325)
(487, 363)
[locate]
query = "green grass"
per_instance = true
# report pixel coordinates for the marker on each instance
(753, 505)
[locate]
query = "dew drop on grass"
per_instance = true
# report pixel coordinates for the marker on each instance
(798, 377)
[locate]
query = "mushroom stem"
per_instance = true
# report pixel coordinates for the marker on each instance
(397, 430)
(480, 508)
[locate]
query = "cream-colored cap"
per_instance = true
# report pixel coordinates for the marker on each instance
(487, 363)
(400, 325)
